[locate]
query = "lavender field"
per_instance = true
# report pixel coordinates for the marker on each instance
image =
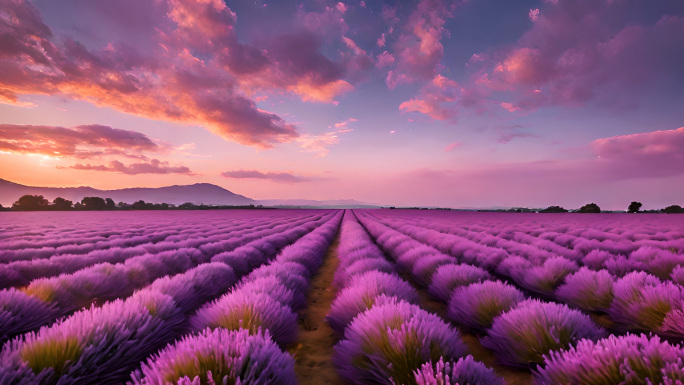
(341, 297)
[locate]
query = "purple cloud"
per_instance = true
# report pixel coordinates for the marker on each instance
(280, 177)
(154, 166)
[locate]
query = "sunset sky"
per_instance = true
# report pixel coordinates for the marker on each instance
(474, 103)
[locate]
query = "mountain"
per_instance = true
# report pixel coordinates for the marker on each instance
(199, 193)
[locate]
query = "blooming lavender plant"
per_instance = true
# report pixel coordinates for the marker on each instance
(425, 267)
(361, 294)
(475, 306)
(544, 279)
(219, 357)
(533, 328)
(96, 345)
(629, 359)
(587, 290)
(465, 371)
(450, 276)
(245, 310)
(387, 343)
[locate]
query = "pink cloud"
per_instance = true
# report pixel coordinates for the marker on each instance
(534, 14)
(206, 75)
(657, 153)
(280, 177)
(452, 146)
(320, 144)
(507, 137)
(153, 166)
(82, 142)
(574, 51)
(437, 99)
(344, 123)
(384, 59)
(418, 50)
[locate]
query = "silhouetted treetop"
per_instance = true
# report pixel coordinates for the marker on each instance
(30, 203)
(590, 208)
(634, 207)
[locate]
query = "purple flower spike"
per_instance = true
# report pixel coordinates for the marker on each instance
(276, 289)
(475, 306)
(628, 359)
(465, 371)
(96, 345)
(642, 301)
(544, 279)
(218, 357)
(342, 276)
(425, 267)
(522, 335)
(360, 295)
(448, 277)
(245, 310)
(587, 290)
(389, 342)
(677, 275)
(292, 275)
(20, 312)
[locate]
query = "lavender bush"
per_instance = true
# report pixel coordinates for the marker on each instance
(387, 343)
(522, 335)
(448, 277)
(587, 290)
(465, 371)
(219, 357)
(245, 310)
(628, 359)
(361, 293)
(477, 305)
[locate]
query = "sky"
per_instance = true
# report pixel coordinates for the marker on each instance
(464, 104)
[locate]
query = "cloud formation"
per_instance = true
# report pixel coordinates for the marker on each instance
(280, 177)
(178, 61)
(153, 166)
(81, 142)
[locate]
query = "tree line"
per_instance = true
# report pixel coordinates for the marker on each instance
(40, 203)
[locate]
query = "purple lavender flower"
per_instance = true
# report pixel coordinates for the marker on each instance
(544, 279)
(465, 371)
(246, 310)
(628, 359)
(387, 343)
(343, 275)
(587, 290)
(220, 356)
(361, 294)
(522, 335)
(96, 345)
(273, 287)
(425, 267)
(448, 277)
(476, 305)
(642, 301)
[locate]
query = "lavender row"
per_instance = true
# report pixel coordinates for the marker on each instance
(638, 301)
(387, 339)
(20, 273)
(46, 299)
(157, 238)
(240, 333)
(619, 257)
(93, 356)
(518, 330)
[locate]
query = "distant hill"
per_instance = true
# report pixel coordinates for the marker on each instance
(199, 193)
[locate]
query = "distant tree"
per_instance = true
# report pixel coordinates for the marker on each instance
(109, 202)
(141, 205)
(590, 208)
(60, 203)
(674, 209)
(554, 209)
(634, 207)
(31, 203)
(187, 206)
(93, 203)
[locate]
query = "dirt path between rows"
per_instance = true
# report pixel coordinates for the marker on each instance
(313, 354)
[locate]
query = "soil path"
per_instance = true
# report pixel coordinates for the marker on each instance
(313, 354)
